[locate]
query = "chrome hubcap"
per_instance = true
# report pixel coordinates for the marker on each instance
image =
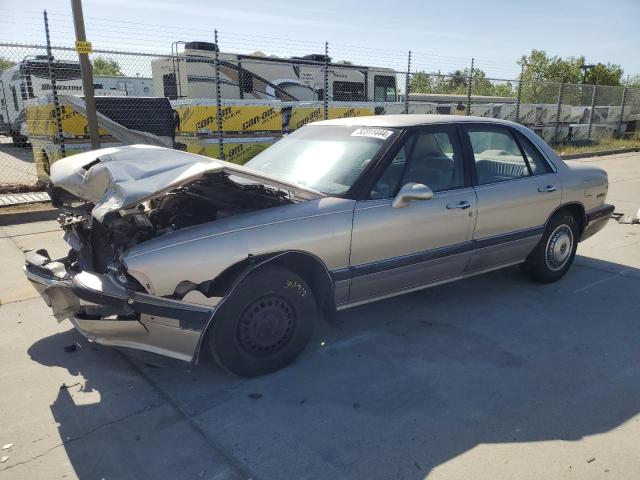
(559, 247)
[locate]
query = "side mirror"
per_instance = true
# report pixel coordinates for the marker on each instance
(411, 191)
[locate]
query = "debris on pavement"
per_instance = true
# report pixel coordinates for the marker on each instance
(73, 347)
(591, 459)
(628, 220)
(7, 446)
(64, 385)
(4, 459)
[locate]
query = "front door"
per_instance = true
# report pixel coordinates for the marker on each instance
(517, 191)
(397, 249)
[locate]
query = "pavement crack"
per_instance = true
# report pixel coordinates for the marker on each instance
(622, 273)
(85, 435)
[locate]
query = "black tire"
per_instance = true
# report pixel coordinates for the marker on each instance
(265, 324)
(554, 254)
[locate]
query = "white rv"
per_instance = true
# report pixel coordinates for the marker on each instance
(30, 79)
(191, 75)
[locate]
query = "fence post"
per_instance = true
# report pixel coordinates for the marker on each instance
(54, 87)
(325, 105)
(556, 129)
(519, 95)
(622, 105)
(591, 112)
(216, 66)
(407, 85)
(87, 75)
(469, 85)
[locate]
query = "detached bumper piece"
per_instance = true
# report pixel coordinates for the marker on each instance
(596, 220)
(107, 312)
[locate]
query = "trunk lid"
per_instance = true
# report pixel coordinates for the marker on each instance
(121, 177)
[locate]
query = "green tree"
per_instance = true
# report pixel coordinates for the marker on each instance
(5, 63)
(608, 74)
(105, 66)
(634, 81)
(456, 82)
(542, 75)
(420, 82)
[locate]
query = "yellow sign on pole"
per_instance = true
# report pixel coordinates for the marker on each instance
(83, 47)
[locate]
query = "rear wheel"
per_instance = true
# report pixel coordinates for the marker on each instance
(554, 254)
(265, 324)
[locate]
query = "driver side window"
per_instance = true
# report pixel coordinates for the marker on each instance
(429, 156)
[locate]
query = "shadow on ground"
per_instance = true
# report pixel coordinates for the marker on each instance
(394, 389)
(24, 154)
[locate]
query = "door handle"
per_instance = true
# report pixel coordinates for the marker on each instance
(547, 189)
(462, 205)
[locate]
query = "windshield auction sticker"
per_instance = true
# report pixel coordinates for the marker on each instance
(380, 133)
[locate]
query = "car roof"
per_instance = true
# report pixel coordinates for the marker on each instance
(408, 120)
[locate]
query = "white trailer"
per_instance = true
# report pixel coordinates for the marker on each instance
(30, 79)
(123, 86)
(191, 75)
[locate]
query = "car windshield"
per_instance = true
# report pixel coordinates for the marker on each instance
(326, 158)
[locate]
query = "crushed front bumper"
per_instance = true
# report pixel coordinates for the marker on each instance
(107, 312)
(596, 220)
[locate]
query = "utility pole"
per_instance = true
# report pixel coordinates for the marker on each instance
(84, 48)
(585, 68)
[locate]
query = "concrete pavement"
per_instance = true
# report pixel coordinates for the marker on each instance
(491, 377)
(16, 164)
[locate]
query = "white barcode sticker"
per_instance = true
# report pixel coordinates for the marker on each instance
(380, 133)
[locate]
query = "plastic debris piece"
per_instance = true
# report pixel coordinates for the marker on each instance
(591, 459)
(7, 446)
(64, 385)
(4, 459)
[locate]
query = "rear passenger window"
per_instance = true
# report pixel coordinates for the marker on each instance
(537, 163)
(497, 155)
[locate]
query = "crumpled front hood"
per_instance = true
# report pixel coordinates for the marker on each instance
(122, 177)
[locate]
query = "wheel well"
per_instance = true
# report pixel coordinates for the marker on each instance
(314, 272)
(577, 210)
(308, 266)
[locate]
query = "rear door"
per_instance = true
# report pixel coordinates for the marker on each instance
(396, 249)
(517, 191)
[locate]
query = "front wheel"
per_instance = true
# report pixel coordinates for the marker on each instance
(554, 254)
(265, 324)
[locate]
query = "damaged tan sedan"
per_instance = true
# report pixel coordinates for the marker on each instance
(175, 253)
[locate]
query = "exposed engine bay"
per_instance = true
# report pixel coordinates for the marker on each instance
(211, 197)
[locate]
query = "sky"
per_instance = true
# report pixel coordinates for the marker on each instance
(442, 35)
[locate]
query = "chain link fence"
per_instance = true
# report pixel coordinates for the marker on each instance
(205, 98)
